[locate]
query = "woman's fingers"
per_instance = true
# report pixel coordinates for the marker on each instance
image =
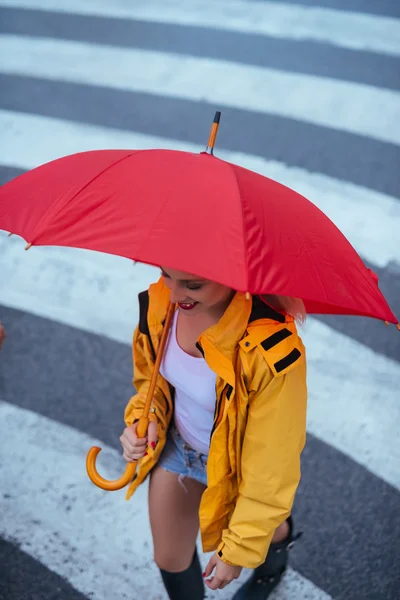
(223, 574)
(134, 452)
(152, 435)
(140, 445)
(214, 583)
(134, 457)
(131, 436)
(135, 448)
(130, 443)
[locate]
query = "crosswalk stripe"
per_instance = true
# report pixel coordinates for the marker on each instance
(91, 559)
(363, 215)
(351, 107)
(390, 8)
(360, 160)
(295, 56)
(354, 30)
(83, 289)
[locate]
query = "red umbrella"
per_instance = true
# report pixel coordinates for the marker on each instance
(195, 213)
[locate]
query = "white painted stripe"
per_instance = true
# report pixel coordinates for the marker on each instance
(370, 220)
(354, 399)
(353, 403)
(94, 539)
(346, 29)
(351, 107)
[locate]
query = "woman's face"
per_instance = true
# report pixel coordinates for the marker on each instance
(194, 294)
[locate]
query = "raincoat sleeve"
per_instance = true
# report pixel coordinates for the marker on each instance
(143, 365)
(270, 463)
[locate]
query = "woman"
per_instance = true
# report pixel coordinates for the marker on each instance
(226, 432)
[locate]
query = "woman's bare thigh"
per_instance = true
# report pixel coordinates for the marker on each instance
(174, 507)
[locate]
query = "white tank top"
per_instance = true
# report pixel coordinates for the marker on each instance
(194, 384)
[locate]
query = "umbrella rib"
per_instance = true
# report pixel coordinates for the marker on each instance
(243, 231)
(44, 222)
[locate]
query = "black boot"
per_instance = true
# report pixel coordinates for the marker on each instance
(185, 584)
(266, 577)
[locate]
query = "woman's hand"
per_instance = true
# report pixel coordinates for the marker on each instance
(134, 447)
(223, 575)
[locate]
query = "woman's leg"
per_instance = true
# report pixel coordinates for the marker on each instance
(173, 507)
(282, 533)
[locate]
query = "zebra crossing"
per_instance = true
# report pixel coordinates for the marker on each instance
(309, 93)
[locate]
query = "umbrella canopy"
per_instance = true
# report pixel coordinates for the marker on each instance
(195, 213)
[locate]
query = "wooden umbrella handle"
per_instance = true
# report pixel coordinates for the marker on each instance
(142, 426)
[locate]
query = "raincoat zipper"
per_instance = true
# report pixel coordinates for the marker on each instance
(219, 407)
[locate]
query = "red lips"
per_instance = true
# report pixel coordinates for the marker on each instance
(187, 306)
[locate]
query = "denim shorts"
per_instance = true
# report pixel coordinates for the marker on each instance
(178, 457)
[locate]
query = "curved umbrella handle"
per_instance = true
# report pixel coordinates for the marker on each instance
(126, 478)
(142, 426)
(105, 484)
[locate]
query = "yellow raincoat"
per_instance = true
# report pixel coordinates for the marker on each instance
(259, 431)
